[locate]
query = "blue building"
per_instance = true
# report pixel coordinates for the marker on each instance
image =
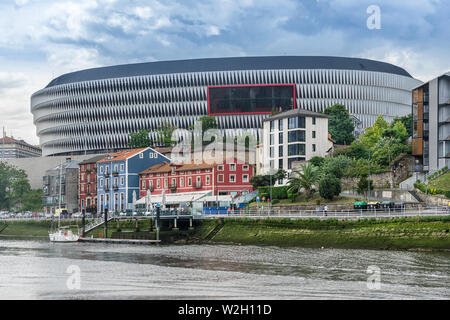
(118, 177)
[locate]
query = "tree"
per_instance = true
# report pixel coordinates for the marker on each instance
(340, 125)
(20, 188)
(8, 175)
(165, 131)
(363, 185)
(208, 122)
(33, 201)
(329, 186)
(406, 121)
(264, 180)
(140, 139)
(317, 161)
(336, 166)
(371, 136)
(306, 179)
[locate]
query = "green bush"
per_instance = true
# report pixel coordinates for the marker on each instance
(276, 201)
(277, 192)
(447, 194)
(329, 186)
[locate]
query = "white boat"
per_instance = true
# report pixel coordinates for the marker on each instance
(64, 234)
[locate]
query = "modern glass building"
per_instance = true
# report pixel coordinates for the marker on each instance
(94, 110)
(431, 124)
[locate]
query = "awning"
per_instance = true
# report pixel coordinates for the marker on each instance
(176, 198)
(222, 198)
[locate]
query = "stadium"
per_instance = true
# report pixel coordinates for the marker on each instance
(94, 110)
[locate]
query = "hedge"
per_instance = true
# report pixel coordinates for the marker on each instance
(278, 193)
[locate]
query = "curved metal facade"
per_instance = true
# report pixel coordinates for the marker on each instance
(98, 115)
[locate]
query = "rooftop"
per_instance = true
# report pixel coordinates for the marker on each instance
(228, 64)
(121, 155)
(7, 139)
(296, 112)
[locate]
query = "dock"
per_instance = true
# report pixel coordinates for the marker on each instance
(119, 241)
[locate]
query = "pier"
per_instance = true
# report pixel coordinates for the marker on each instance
(119, 241)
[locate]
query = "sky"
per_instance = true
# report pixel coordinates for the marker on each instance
(42, 39)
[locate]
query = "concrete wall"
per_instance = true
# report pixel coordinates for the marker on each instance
(36, 167)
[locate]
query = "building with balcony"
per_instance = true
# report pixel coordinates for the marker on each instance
(60, 186)
(88, 184)
(228, 178)
(11, 148)
(293, 136)
(118, 177)
(431, 124)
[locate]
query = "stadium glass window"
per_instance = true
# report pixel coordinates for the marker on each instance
(250, 99)
(280, 138)
(280, 125)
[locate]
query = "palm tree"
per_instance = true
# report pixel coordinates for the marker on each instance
(306, 179)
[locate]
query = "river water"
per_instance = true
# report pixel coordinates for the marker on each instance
(43, 270)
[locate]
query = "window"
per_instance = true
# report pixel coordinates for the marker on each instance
(296, 136)
(116, 168)
(296, 149)
(122, 181)
(208, 180)
(280, 151)
(144, 185)
(220, 168)
(101, 169)
(280, 181)
(232, 167)
(280, 163)
(158, 184)
(280, 138)
(272, 140)
(313, 120)
(232, 178)
(271, 163)
(314, 134)
(280, 125)
(272, 126)
(296, 123)
(250, 99)
(220, 178)
(101, 182)
(122, 196)
(122, 167)
(271, 154)
(314, 148)
(181, 182)
(151, 184)
(245, 178)
(174, 182)
(245, 167)
(141, 156)
(189, 181)
(166, 183)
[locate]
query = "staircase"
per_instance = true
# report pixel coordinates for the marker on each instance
(3, 227)
(97, 222)
(415, 195)
(215, 230)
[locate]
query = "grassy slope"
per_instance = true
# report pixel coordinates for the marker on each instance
(442, 182)
(391, 234)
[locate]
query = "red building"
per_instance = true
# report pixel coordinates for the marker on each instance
(222, 179)
(87, 184)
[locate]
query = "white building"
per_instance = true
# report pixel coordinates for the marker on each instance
(293, 136)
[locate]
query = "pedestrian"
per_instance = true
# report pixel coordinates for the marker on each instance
(325, 209)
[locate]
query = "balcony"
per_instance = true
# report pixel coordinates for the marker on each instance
(115, 173)
(116, 187)
(107, 188)
(173, 187)
(198, 185)
(107, 174)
